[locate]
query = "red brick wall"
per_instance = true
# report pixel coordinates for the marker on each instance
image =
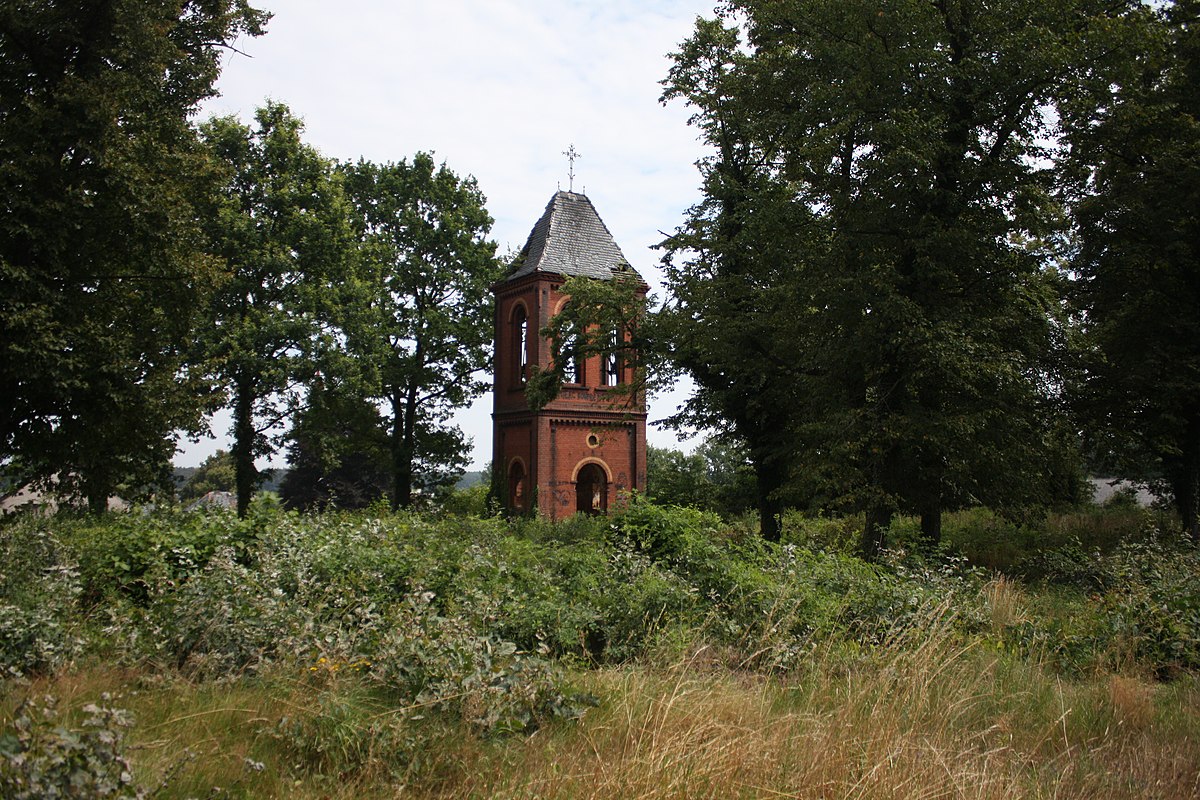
(555, 441)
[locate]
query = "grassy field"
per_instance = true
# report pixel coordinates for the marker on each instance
(659, 654)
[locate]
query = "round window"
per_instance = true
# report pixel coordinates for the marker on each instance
(593, 440)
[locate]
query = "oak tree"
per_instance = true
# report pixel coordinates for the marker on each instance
(281, 226)
(872, 261)
(1136, 145)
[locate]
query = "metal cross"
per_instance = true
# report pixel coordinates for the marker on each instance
(571, 155)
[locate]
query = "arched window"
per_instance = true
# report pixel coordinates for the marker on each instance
(521, 343)
(573, 371)
(518, 492)
(591, 490)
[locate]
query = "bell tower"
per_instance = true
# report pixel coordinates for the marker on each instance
(585, 447)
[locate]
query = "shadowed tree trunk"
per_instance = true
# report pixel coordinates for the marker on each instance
(1185, 481)
(404, 437)
(770, 510)
(931, 524)
(874, 538)
(245, 473)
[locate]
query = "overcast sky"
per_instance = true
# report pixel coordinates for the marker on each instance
(497, 89)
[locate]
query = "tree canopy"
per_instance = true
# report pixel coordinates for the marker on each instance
(422, 327)
(867, 292)
(338, 454)
(281, 224)
(1136, 153)
(102, 263)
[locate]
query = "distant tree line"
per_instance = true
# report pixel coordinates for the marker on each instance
(153, 270)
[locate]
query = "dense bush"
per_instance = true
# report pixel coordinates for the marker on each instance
(42, 759)
(1153, 602)
(209, 595)
(40, 624)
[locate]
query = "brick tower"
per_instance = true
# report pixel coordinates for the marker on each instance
(587, 445)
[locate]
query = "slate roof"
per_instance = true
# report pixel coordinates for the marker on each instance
(570, 240)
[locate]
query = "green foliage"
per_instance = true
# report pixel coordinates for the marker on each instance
(472, 501)
(127, 553)
(604, 319)
(339, 455)
(717, 477)
(665, 533)
(281, 226)
(103, 269)
(215, 474)
(1153, 603)
(39, 759)
(1135, 141)
(828, 533)
(420, 323)
(440, 663)
(675, 478)
(863, 294)
(468, 619)
(39, 589)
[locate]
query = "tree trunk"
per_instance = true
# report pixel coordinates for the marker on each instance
(931, 524)
(770, 514)
(1186, 483)
(97, 499)
(245, 474)
(874, 538)
(404, 436)
(770, 478)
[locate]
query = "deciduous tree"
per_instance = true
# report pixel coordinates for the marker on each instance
(871, 259)
(423, 323)
(215, 474)
(281, 225)
(1137, 148)
(102, 265)
(338, 453)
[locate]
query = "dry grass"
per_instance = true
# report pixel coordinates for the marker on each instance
(925, 717)
(1005, 602)
(934, 720)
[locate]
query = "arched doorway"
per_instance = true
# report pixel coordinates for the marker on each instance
(591, 490)
(518, 496)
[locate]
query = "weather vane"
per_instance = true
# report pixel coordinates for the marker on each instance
(571, 155)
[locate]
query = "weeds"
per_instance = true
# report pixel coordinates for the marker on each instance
(351, 655)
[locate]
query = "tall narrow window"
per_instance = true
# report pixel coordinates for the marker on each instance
(612, 361)
(572, 364)
(521, 343)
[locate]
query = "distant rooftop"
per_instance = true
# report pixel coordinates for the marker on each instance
(571, 240)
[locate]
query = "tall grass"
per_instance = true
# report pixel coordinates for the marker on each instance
(360, 656)
(928, 715)
(926, 718)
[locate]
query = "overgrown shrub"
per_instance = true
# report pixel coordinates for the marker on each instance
(213, 596)
(40, 628)
(119, 553)
(1153, 602)
(828, 534)
(40, 757)
(435, 662)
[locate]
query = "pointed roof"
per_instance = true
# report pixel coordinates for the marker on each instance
(570, 240)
